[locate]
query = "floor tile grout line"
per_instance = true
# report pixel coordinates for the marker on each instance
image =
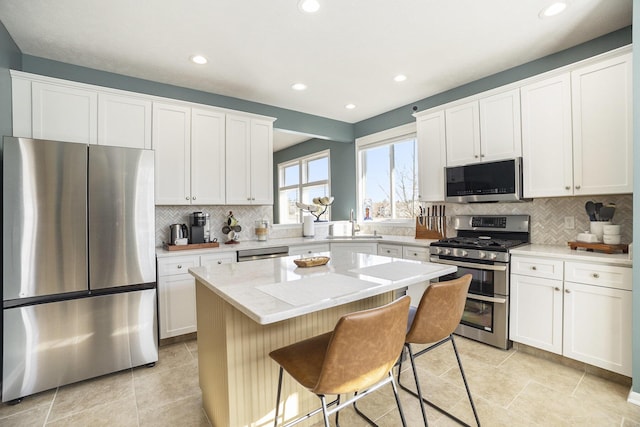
(55, 395)
(518, 394)
(575, 389)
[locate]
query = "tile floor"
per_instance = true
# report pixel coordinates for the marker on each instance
(510, 388)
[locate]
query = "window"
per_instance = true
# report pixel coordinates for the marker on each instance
(301, 180)
(387, 178)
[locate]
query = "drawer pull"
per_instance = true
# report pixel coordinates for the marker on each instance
(557, 288)
(596, 275)
(179, 265)
(219, 261)
(534, 267)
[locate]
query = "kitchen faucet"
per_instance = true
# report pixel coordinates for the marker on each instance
(354, 224)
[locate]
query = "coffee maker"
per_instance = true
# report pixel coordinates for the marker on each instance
(199, 227)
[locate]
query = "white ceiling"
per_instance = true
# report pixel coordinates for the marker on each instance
(348, 52)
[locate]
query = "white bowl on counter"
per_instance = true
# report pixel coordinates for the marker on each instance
(611, 229)
(611, 239)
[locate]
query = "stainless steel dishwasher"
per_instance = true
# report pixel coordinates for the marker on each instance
(263, 253)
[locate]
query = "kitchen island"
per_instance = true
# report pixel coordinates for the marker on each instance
(245, 310)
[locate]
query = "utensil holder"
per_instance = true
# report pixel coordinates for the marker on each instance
(423, 231)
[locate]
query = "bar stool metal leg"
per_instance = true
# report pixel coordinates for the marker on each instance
(415, 375)
(464, 379)
(412, 357)
(275, 418)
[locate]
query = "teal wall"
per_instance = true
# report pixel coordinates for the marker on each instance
(10, 58)
(636, 200)
(402, 115)
(343, 173)
(286, 119)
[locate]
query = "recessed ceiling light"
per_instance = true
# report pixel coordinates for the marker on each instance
(400, 78)
(309, 6)
(298, 86)
(553, 9)
(350, 106)
(198, 59)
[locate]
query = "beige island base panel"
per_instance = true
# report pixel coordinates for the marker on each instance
(237, 377)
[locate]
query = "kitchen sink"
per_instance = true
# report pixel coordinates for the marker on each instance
(357, 236)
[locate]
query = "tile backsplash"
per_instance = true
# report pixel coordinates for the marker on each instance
(246, 215)
(547, 218)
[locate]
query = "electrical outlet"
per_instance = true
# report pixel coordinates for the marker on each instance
(569, 222)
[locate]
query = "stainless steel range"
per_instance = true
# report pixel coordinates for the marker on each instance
(481, 248)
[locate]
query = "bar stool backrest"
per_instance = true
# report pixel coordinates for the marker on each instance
(439, 311)
(363, 348)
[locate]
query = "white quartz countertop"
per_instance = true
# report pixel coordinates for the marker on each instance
(271, 290)
(295, 241)
(566, 253)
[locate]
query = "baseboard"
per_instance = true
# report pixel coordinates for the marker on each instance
(634, 398)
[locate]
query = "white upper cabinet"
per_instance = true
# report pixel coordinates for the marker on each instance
(483, 130)
(432, 156)
(577, 131)
(463, 134)
(603, 127)
(124, 121)
(500, 134)
(249, 154)
(172, 146)
(64, 114)
(207, 157)
(547, 153)
(190, 155)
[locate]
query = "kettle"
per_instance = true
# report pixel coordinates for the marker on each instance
(178, 231)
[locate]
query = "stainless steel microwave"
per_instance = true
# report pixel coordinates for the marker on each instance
(499, 181)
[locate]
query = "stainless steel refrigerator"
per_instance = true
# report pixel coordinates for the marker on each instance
(79, 275)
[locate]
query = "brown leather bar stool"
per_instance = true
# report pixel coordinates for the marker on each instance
(356, 357)
(433, 322)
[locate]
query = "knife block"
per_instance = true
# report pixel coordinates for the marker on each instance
(424, 232)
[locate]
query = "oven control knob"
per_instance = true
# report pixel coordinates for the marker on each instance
(447, 251)
(482, 254)
(438, 250)
(464, 253)
(493, 256)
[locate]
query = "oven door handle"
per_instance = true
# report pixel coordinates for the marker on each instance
(487, 299)
(470, 264)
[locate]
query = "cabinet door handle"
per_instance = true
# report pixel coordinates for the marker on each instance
(568, 291)
(193, 198)
(533, 267)
(577, 187)
(476, 156)
(220, 261)
(179, 266)
(481, 155)
(595, 275)
(556, 288)
(186, 198)
(567, 188)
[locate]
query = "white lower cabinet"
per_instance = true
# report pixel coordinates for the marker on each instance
(309, 249)
(408, 252)
(177, 291)
(580, 310)
(536, 312)
(394, 251)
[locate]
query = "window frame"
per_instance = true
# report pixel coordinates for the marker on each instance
(302, 163)
(379, 139)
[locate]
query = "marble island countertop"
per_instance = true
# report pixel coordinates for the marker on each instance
(272, 290)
